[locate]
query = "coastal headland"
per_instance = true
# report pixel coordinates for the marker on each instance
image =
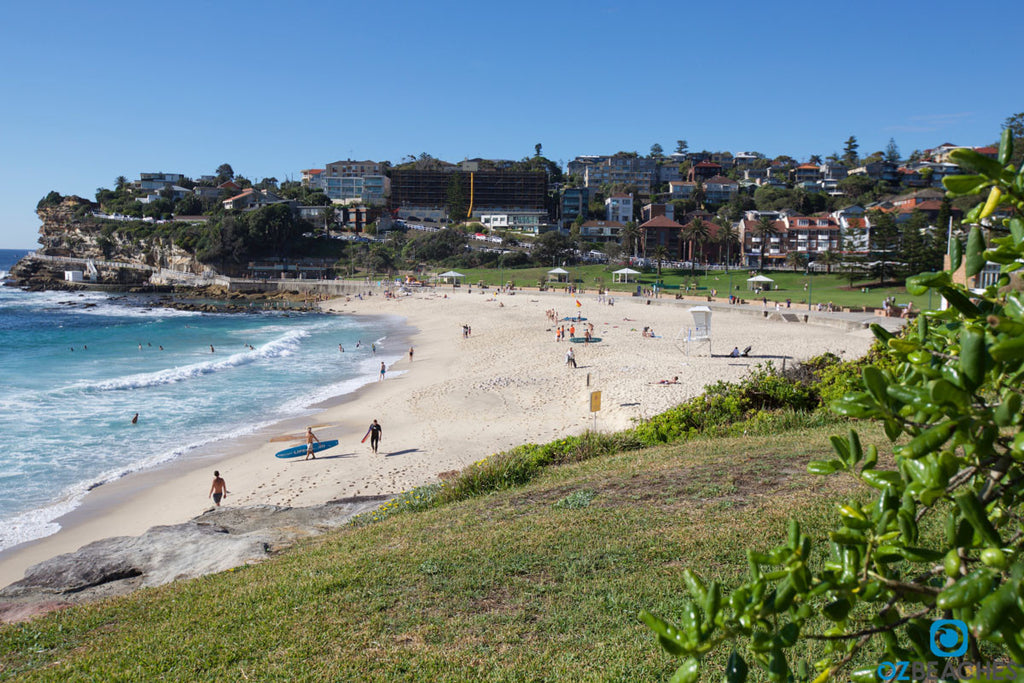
(486, 374)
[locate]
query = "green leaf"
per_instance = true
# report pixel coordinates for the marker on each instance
(1005, 147)
(973, 356)
(735, 669)
(668, 635)
(963, 184)
(975, 251)
(874, 380)
(919, 284)
(1017, 230)
(956, 254)
(1009, 350)
(689, 672)
(968, 158)
(822, 467)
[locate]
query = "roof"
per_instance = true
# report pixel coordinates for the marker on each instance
(602, 224)
(809, 166)
(661, 222)
(707, 164)
(314, 171)
(720, 180)
(987, 150)
(620, 195)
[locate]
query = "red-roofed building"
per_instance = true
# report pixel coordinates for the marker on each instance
(806, 173)
(661, 231)
(313, 178)
(703, 171)
(989, 151)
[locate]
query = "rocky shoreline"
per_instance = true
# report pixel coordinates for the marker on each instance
(218, 540)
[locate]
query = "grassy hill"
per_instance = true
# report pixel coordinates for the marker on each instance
(539, 582)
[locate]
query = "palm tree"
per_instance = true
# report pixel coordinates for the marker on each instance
(727, 237)
(329, 215)
(829, 258)
(660, 253)
(765, 229)
(796, 259)
(698, 231)
(629, 236)
(120, 182)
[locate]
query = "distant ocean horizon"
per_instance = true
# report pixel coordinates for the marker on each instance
(76, 366)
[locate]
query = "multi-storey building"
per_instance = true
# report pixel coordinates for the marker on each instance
(619, 208)
(806, 235)
(601, 231)
(156, 181)
(575, 202)
(423, 192)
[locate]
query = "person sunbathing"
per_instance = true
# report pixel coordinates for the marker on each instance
(674, 380)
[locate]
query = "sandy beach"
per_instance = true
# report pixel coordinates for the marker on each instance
(461, 398)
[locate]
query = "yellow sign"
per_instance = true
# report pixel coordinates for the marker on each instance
(595, 401)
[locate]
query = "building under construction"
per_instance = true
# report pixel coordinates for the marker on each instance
(481, 190)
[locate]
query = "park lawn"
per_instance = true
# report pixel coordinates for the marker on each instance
(796, 286)
(541, 582)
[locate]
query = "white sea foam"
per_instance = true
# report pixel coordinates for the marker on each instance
(41, 522)
(283, 346)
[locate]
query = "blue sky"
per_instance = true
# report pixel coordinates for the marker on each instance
(91, 91)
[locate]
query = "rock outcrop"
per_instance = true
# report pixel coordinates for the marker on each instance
(218, 540)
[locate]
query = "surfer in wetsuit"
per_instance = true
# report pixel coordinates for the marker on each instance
(218, 489)
(375, 432)
(310, 438)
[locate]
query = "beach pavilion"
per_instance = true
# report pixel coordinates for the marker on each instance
(623, 274)
(558, 275)
(451, 276)
(759, 282)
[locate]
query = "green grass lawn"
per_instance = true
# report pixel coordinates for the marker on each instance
(537, 583)
(795, 286)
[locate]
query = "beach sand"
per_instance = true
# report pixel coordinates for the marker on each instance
(459, 400)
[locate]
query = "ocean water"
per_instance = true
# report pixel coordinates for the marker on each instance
(76, 367)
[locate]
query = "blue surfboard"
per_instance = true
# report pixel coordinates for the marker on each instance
(296, 451)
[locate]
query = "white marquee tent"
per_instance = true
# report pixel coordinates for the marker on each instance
(623, 274)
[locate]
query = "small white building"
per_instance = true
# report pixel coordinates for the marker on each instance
(619, 208)
(74, 276)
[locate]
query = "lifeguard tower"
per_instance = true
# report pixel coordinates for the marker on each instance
(699, 333)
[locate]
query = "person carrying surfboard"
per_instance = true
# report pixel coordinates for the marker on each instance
(374, 433)
(310, 438)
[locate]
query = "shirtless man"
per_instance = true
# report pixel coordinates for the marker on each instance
(219, 489)
(310, 438)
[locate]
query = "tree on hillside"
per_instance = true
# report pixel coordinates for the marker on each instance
(657, 151)
(681, 146)
(697, 232)
(850, 151)
(883, 244)
(455, 199)
(765, 229)
(629, 237)
(727, 238)
(552, 247)
(225, 173)
(120, 183)
(815, 159)
(660, 254)
(536, 150)
(329, 216)
(892, 152)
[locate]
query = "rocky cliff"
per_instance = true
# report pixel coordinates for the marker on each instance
(71, 230)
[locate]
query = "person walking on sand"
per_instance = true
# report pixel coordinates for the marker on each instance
(375, 432)
(310, 438)
(570, 358)
(383, 369)
(219, 488)
(410, 354)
